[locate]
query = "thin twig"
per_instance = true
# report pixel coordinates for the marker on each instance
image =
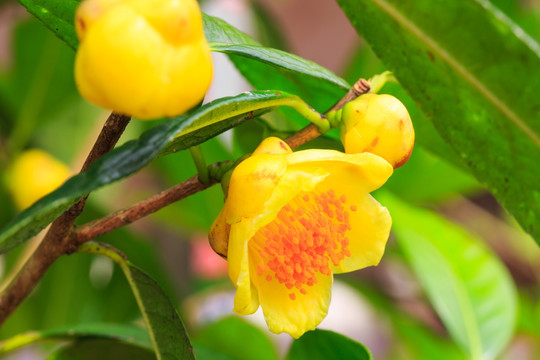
(308, 133)
(360, 87)
(57, 240)
(141, 209)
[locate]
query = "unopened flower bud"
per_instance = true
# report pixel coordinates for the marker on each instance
(146, 59)
(378, 124)
(33, 175)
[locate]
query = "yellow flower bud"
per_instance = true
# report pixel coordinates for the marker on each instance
(33, 175)
(147, 59)
(378, 124)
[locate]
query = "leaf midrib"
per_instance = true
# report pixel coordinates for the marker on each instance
(459, 68)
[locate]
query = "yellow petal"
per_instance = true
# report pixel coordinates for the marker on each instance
(368, 236)
(369, 171)
(251, 185)
(293, 314)
(370, 223)
(246, 299)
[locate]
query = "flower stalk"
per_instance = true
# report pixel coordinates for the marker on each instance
(198, 158)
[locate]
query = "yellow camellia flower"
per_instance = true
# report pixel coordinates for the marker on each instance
(291, 221)
(147, 59)
(33, 175)
(379, 124)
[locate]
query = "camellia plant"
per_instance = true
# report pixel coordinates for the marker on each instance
(389, 215)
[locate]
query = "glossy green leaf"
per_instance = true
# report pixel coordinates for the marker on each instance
(219, 31)
(128, 334)
(324, 344)
(178, 133)
(467, 284)
(236, 339)
(476, 75)
(225, 113)
(292, 73)
(101, 349)
(57, 15)
(165, 327)
(267, 68)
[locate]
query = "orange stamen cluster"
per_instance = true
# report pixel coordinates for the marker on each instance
(306, 237)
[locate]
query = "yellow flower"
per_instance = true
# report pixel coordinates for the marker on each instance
(379, 124)
(33, 175)
(147, 59)
(290, 221)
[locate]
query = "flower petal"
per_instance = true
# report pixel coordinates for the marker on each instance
(368, 171)
(252, 182)
(369, 221)
(288, 310)
(246, 299)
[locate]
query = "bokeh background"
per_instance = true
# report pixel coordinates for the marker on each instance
(382, 307)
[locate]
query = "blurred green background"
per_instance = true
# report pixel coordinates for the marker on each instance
(40, 108)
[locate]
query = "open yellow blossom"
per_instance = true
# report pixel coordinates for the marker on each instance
(291, 221)
(147, 59)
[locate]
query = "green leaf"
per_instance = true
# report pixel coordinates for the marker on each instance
(219, 31)
(101, 349)
(165, 327)
(324, 344)
(469, 287)
(236, 339)
(224, 114)
(133, 335)
(57, 15)
(267, 68)
(476, 75)
(429, 179)
(276, 69)
(180, 133)
(203, 353)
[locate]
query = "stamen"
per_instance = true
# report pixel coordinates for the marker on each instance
(307, 236)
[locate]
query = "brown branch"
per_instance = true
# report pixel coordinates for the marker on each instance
(57, 241)
(141, 209)
(308, 133)
(62, 238)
